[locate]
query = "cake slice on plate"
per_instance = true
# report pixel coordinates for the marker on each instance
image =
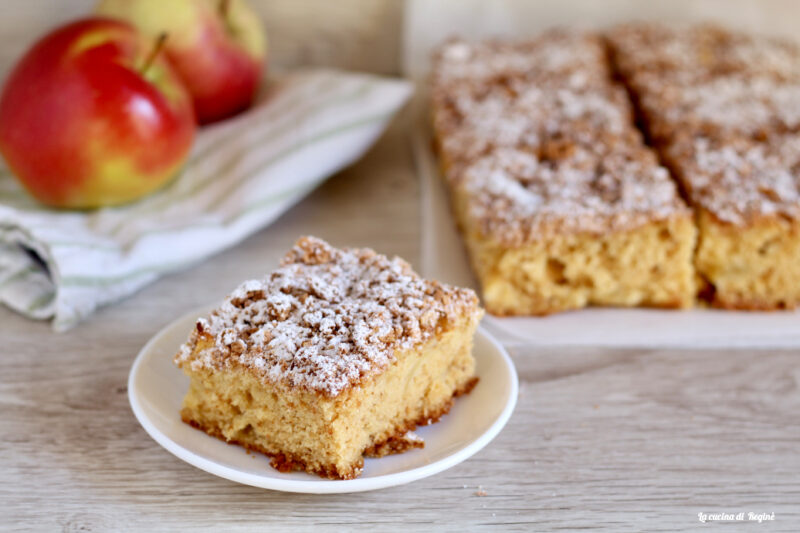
(337, 354)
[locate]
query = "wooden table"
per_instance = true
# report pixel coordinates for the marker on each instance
(633, 440)
(627, 440)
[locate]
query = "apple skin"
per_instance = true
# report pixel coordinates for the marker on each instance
(82, 127)
(218, 48)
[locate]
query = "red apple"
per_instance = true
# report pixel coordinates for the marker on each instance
(93, 115)
(218, 47)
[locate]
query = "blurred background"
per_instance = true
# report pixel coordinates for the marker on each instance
(350, 34)
(368, 35)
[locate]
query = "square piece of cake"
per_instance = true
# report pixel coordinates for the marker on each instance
(337, 354)
(560, 203)
(723, 109)
(747, 197)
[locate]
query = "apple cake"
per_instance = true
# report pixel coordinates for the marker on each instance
(337, 354)
(560, 202)
(723, 110)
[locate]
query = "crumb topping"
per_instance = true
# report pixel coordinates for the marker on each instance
(518, 114)
(725, 108)
(728, 105)
(739, 180)
(570, 57)
(326, 319)
(542, 141)
(700, 52)
(520, 196)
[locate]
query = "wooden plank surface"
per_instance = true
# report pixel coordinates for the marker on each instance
(601, 439)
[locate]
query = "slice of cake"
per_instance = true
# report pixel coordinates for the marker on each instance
(723, 109)
(337, 354)
(747, 195)
(560, 203)
(582, 228)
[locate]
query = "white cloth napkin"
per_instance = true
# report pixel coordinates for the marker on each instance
(242, 174)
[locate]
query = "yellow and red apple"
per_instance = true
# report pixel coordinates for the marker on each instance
(93, 115)
(218, 47)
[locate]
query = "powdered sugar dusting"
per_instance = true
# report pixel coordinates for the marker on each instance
(518, 197)
(737, 103)
(519, 114)
(553, 55)
(701, 52)
(725, 108)
(326, 319)
(541, 141)
(739, 180)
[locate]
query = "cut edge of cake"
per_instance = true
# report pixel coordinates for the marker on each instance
(769, 247)
(648, 265)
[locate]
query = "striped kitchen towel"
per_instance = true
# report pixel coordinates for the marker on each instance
(242, 174)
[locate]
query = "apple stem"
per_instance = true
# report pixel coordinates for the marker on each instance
(159, 44)
(224, 5)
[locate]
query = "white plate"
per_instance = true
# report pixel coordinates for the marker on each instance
(156, 388)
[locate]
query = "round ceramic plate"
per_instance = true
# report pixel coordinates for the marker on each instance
(156, 388)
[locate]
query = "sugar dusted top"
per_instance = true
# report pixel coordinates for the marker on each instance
(326, 319)
(540, 141)
(710, 79)
(510, 93)
(519, 196)
(725, 106)
(699, 52)
(739, 180)
(473, 121)
(574, 57)
(729, 105)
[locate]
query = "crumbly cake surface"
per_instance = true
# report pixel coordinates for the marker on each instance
(560, 202)
(699, 52)
(740, 180)
(475, 119)
(571, 58)
(326, 319)
(496, 93)
(710, 81)
(519, 198)
(728, 105)
(723, 108)
(535, 159)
